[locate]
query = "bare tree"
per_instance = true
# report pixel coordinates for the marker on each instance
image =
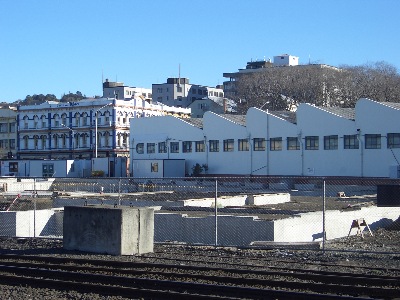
(276, 88)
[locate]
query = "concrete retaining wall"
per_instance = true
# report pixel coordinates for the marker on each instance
(232, 230)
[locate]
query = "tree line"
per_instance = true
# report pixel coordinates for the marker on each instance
(277, 88)
(38, 99)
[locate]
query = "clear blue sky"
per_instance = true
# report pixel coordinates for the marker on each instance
(56, 47)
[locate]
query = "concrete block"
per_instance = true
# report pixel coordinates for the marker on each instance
(265, 199)
(108, 229)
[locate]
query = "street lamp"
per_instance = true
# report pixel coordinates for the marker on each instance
(95, 138)
(73, 139)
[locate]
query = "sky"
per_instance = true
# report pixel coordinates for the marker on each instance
(61, 46)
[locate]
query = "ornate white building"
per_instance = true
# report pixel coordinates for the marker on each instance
(56, 130)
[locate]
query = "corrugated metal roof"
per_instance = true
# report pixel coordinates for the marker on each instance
(238, 119)
(198, 122)
(347, 113)
(394, 105)
(288, 116)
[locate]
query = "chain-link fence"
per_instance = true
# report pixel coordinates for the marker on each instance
(306, 212)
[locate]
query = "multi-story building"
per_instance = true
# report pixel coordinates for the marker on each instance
(56, 130)
(8, 132)
(360, 142)
(120, 91)
(180, 93)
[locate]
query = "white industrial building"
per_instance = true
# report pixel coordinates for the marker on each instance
(314, 141)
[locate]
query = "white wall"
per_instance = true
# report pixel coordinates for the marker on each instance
(377, 118)
(313, 121)
(216, 127)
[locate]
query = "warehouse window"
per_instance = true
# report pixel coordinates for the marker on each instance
(187, 146)
(200, 146)
(293, 143)
(174, 147)
(243, 144)
(331, 142)
(312, 142)
(151, 148)
(372, 141)
(140, 148)
(275, 144)
(393, 140)
(214, 145)
(162, 147)
(228, 145)
(351, 141)
(259, 144)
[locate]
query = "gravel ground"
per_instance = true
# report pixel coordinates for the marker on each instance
(380, 250)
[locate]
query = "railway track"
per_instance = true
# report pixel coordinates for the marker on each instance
(179, 280)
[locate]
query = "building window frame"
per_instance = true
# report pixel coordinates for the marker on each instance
(243, 144)
(229, 145)
(275, 144)
(162, 147)
(373, 141)
(140, 148)
(174, 147)
(312, 142)
(259, 144)
(293, 143)
(200, 147)
(151, 148)
(393, 140)
(213, 145)
(331, 142)
(350, 141)
(187, 146)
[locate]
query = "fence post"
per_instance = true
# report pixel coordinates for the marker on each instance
(34, 207)
(119, 192)
(323, 215)
(216, 212)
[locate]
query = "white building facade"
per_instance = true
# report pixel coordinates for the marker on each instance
(56, 130)
(314, 141)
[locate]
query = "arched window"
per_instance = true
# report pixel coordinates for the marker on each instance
(35, 122)
(64, 140)
(43, 121)
(56, 119)
(26, 122)
(26, 142)
(64, 119)
(44, 141)
(35, 142)
(84, 119)
(84, 140)
(77, 119)
(55, 141)
(125, 140)
(107, 139)
(77, 139)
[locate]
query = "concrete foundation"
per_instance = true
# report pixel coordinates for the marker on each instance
(94, 230)
(224, 201)
(110, 230)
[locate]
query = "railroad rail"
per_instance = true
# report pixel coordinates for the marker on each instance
(181, 281)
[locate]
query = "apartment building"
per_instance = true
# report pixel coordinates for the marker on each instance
(180, 93)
